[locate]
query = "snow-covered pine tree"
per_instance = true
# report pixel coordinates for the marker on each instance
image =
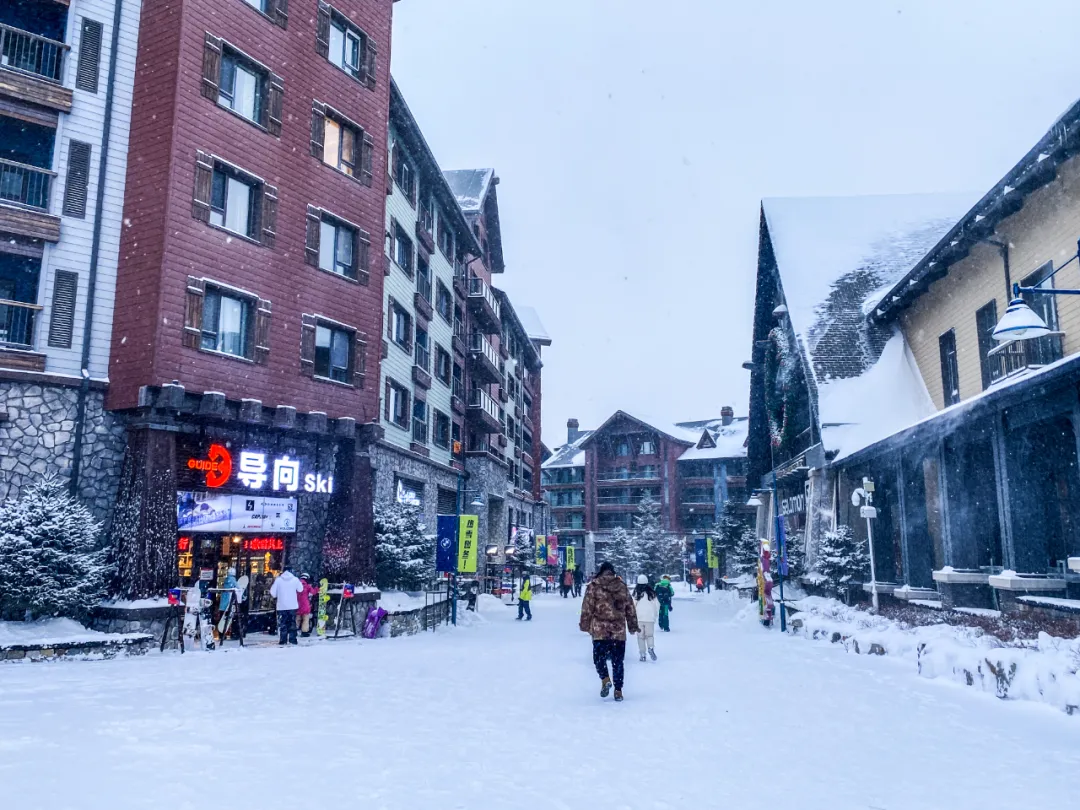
(404, 553)
(617, 551)
(744, 554)
(843, 560)
(728, 531)
(795, 546)
(50, 560)
(654, 551)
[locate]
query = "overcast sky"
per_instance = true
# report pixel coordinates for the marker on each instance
(635, 138)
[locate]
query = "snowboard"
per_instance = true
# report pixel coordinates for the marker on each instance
(192, 597)
(324, 600)
(206, 623)
(227, 618)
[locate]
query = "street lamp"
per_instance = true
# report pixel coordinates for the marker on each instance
(1020, 322)
(865, 495)
(754, 501)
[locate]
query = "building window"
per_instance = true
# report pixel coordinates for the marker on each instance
(345, 45)
(443, 364)
(397, 404)
(400, 326)
(427, 215)
(444, 302)
(622, 447)
(648, 448)
(950, 375)
(419, 421)
(985, 321)
(458, 382)
(423, 352)
(225, 323)
(423, 279)
(404, 174)
(409, 493)
(337, 253)
(242, 86)
(441, 435)
(333, 348)
(339, 146)
(446, 239)
(403, 250)
(232, 203)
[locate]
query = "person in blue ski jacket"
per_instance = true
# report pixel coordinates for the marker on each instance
(664, 594)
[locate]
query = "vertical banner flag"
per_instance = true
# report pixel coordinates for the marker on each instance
(701, 557)
(541, 550)
(553, 550)
(710, 549)
(571, 558)
(467, 544)
(446, 553)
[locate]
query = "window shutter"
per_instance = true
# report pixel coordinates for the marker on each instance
(211, 66)
(386, 402)
(322, 31)
(276, 93)
(307, 345)
(86, 75)
(390, 304)
(281, 13)
(204, 185)
(363, 256)
(196, 289)
(395, 162)
(314, 231)
(370, 61)
(62, 315)
(408, 332)
(269, 215)
(318, 128)
(359, 361)
(262, 332)
(367, 151)
(78, 179)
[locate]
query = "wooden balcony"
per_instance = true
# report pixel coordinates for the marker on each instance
(483, 360)
(32, 68)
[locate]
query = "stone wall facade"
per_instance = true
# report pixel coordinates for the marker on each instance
(390, 463)
(38, 437)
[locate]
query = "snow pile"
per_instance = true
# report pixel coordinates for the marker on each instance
(49, 632)
(136, 604)
(1043, 671)
(402, 602)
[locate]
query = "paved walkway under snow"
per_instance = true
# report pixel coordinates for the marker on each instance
(501, 714)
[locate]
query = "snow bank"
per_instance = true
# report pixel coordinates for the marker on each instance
(136, 604)
(54, 632)
(1044, 671)
(400, 601)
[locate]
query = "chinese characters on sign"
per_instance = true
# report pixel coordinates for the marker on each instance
(571, 558)
(256, 469)
(467, 544)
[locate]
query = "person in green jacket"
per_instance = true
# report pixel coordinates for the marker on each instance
(664, 594)
(524, 599)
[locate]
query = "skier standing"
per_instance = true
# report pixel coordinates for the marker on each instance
(286, 590)
(579, 578)
(665, 593)
(525, 598)
(303, 605)
(648, 611)
(567, 583)
(607, 612)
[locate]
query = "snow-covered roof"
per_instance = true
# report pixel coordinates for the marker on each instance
(834, 254)
(470, 186)
(569, 455)
(534, 327)
(728, 441)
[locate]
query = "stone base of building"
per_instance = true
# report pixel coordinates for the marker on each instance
(969, 589)
(434, 483)
(150, 620)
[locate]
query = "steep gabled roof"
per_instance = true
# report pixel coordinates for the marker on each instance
(470, 186)
(720, 441)
(569, 455)
(674, 432)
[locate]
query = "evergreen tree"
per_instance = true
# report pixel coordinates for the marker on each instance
(795, 546)
(654, 551)
(404, 554)
(743, 556)
(728, 531)
(50, 560)
(843, 560)
(618, 551)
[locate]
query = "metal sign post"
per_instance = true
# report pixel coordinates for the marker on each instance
(865, 495)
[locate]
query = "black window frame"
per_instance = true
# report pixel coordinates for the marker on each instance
(446, 239)
(237, 58)
(443, 360)
(440, 429)
(214, 293)
(985, 321)
(422, 348)
(350, 337)
(423, 278)
(402, 242)
(255, 187)
(356, 133)
(339, 227)
(346, 27)
(405, 175)
(419, 424)
(444, 302)
(950, 369)
(401, 315)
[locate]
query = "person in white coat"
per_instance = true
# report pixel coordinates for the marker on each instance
(285, 590)
(648, 611)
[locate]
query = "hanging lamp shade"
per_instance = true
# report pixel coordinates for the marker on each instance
(754, 501)
(1020, 322)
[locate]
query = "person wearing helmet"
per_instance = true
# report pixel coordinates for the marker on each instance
(648, 611)
(665, 592)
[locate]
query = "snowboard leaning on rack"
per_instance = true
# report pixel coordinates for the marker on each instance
(324, 600)
(233, 610)
(197, 620)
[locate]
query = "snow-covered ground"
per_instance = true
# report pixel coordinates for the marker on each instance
(52, 631)
(506, 714)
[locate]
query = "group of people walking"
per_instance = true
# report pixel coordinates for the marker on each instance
(570, 582)
(609, 611)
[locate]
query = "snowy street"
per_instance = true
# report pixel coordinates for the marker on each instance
(508, 714)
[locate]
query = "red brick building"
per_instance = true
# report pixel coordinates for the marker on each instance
(249, 309)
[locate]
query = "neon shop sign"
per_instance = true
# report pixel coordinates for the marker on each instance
(255, 469)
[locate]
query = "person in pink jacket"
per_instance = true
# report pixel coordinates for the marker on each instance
(303, 605)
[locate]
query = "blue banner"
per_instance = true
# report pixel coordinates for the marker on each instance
(446, 557)
(701, 553)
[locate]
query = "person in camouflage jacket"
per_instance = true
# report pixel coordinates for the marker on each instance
(607, 612)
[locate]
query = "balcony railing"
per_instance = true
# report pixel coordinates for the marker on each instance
(423, 357)
(629, 475)
(478, 398)
(25, 185)
(478, 343)
(30, 53)
(1015, 356)
(478, 288)
(17, 320)
(458, 388)
(419, 431)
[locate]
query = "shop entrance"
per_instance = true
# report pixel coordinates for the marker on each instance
(207, 558)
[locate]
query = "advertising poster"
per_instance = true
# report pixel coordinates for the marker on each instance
(467, 543)
(541, 550)
(710, 549)
(552, 550)
(446, 553)
(212, 512)
(701, 556)
(571, 558)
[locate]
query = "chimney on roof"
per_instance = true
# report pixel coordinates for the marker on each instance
(572, 432)
(727, 415)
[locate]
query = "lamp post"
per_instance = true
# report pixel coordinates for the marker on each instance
(864, 495)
